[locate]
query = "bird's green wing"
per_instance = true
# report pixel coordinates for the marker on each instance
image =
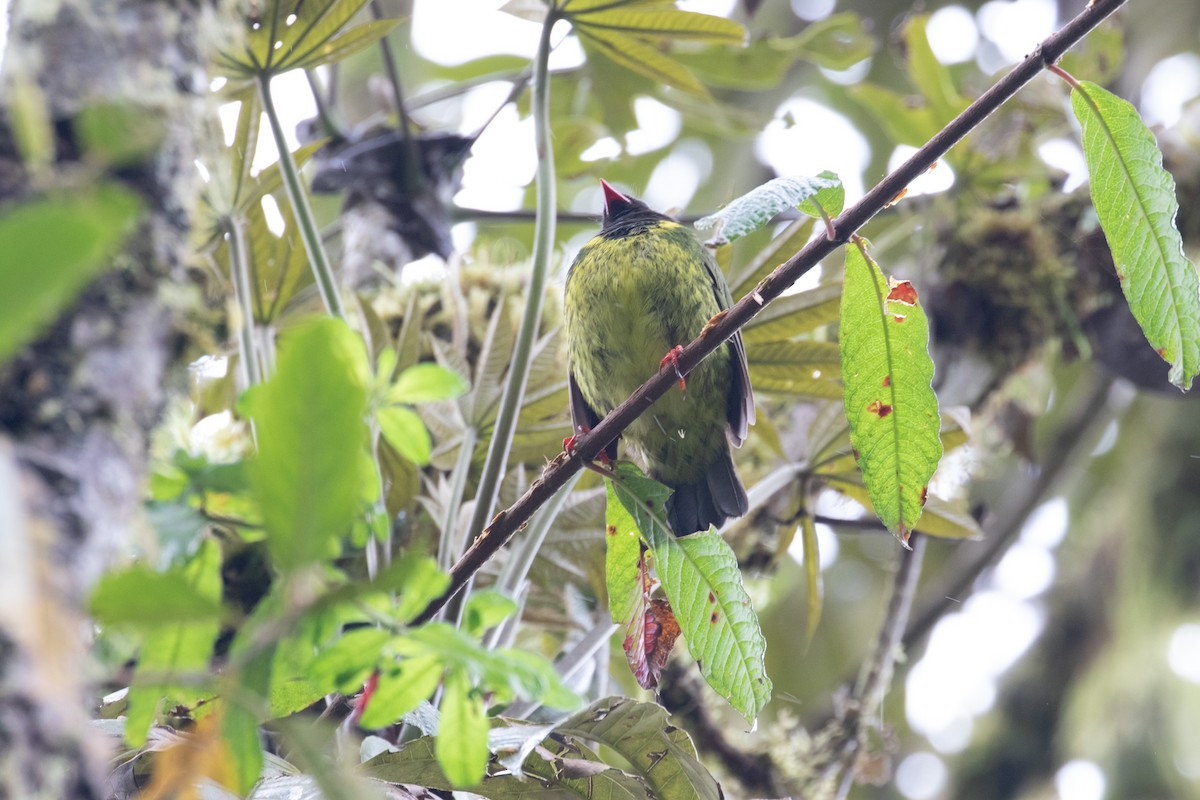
(741, 396)
(583, 416)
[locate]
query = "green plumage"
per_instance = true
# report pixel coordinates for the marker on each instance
(635, 291)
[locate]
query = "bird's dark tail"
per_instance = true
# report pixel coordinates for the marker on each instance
(710, 501)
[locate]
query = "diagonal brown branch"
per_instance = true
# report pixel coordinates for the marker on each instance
(509, 521)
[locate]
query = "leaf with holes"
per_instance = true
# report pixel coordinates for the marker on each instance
(889, 403)
(700, 576)
(1135, 201)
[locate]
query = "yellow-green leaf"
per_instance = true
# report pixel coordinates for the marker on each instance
(635, 54)
(672, 23)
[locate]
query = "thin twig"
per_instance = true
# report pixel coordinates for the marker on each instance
(876, 673)
(507, 522)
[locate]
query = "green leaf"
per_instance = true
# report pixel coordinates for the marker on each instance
(170, 649)
(404, 430)
(802, 368)
(147, 600)
(401, 687)
(289, 34)
(889, 403)
(929, 75)
(416, 579)
(345, 665)
(837, 42)
(635, 54)
(761, 65)
(426, 383)
(623, 554)
(417, 764)
(309, 422)
(1100, 56)
(789, 241)
(759, 206)
(290, 696)
(902, 120)
(700, 576)
(939, 518)
(180, 530)
(348, 43)
(658, 752)
(669, 23)
(794, 314)
(831, 199)
(485, 609)
(462, 749)
(1135, 201)
(239, 723)
(52, 247)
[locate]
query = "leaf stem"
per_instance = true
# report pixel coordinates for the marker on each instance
(301, 208)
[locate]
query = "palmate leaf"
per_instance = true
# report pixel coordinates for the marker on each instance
(636, 54)
(669, 23)
(629, 33)
(889, 403)
(805, 368)
(793, 314)
(292, 34)
(700, 576)
(1135, 202)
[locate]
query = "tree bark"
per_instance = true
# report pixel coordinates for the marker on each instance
(77, 405)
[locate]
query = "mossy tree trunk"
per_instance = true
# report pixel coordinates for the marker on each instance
(78, 403)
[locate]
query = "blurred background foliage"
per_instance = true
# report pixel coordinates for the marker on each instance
(1054, 650)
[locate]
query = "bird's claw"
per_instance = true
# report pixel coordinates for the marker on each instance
(571, 442)
(672, 358)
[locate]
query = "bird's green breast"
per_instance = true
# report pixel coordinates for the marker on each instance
(629, 300)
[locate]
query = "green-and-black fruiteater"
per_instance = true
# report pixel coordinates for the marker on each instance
(637, 290)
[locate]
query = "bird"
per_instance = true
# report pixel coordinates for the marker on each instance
(640, 288)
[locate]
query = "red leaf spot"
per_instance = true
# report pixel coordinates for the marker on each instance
(903, 292)
(924, 494)
(612, 530)
(1162, 353)
(882, 409)
(854, 450)
(887, 381)
(712, 598)
(716, 615)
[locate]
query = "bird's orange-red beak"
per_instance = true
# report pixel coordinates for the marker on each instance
(611, 196)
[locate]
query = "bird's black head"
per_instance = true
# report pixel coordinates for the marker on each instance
(625, 215)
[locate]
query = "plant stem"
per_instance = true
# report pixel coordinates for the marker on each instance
(771, 287)
(543, 241)
(301, 208)
(249, 365)
(877, 671)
